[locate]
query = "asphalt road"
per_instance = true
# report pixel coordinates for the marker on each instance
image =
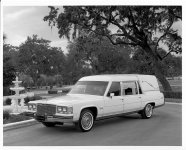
(163, 129)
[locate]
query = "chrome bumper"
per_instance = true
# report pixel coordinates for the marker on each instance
(54, 118)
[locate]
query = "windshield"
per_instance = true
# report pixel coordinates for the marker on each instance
(89, 87)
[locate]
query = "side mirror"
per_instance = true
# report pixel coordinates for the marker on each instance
(111, 95)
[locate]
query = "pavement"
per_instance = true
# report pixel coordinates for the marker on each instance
(163, 129)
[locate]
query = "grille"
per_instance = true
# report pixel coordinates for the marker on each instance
(46, 109)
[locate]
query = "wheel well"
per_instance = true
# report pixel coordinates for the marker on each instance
(153, 104)
(93, 109)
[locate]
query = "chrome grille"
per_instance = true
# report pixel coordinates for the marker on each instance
(46, 109)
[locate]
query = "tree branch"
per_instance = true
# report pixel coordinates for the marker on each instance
(134, 25)
(165, 33)
(114, 22)
(120, 42)
(113, 42)
(167, 54)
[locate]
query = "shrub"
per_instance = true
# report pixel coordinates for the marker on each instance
(66, 89)
(33, 98)
(6, 114)
(6, 91)
(8, 101)
(16, 118)
(52, 92)
(168, 94)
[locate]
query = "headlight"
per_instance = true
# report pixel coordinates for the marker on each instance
(32, 107)
(64, 110)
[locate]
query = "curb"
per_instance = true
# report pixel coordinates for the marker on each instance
(173, 103)
(20, 124)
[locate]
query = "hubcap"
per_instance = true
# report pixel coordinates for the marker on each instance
(87, 121)
(148, 110)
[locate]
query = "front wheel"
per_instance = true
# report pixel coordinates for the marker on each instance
(86, 121)
(147, 111)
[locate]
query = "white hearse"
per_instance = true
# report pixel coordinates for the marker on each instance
(98, 97)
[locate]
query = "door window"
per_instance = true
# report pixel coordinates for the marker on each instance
(115, 88)
(129, 88)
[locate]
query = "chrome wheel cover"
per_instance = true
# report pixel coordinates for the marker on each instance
(148, 110)
(87, 121)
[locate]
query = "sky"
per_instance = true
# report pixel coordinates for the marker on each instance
(19, 22)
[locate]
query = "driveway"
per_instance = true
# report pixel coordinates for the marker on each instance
(163, 129)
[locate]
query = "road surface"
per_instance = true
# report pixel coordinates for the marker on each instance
(163, 129)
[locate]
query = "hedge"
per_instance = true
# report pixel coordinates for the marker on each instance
(168, 94)
(27, 99)
(52, 92)
(33, 98)
(66, 89)
(6, 114)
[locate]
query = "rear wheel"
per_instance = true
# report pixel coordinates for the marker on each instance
(48, 124)
(147, 111)
(86, 120)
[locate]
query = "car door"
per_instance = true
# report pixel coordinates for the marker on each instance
(113, 104)
(131, 96)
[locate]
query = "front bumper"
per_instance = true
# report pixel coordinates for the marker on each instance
(54, 118)
(61, 118)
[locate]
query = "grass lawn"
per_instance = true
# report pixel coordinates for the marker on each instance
(15, 118)
(175, 82)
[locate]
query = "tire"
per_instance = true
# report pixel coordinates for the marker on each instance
(147, 111)
(86, 121)
(48, 124)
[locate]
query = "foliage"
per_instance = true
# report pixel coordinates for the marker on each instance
(8, 67)
(66, 89)
(100, 55)
(8, 101)
(33, 98)
(168, 94)
(36, 57)
(15, 118)
(171, 65)
(144, 27)
(52, 91)
(26, 80)
(6, 91)
(6, 114)
(74, 67)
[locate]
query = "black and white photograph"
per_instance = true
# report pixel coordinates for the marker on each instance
(98, 74)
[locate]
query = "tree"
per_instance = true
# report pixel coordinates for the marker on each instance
(9, 68)
(144, 27)
(99, 54)
(75, 68)
(171, 65)
(36, 57)
(26, 80)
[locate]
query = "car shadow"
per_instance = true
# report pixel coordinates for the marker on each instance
(70, 128)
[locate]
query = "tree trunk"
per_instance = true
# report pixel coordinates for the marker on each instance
(158, 73)
(157, 68)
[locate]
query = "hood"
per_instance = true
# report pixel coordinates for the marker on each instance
(70, 99)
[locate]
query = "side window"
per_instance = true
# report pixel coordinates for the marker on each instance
(129, 88)
(115, 88)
